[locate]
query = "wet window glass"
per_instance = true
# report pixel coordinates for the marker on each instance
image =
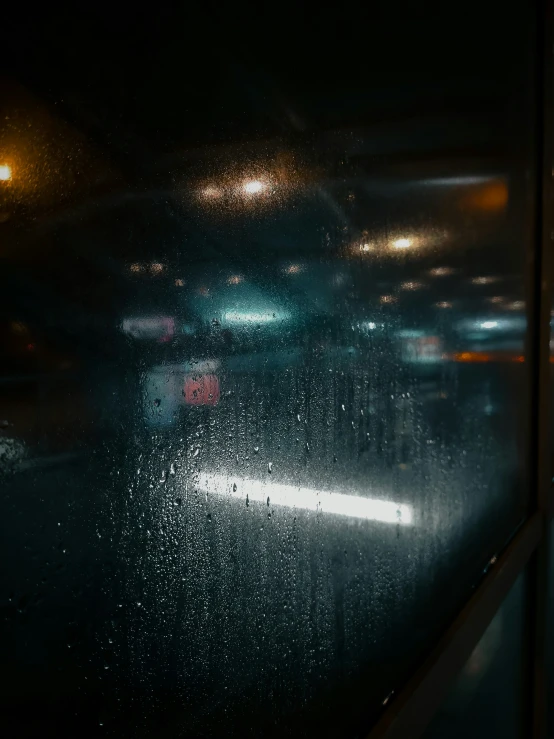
(262, 390)
(488, 696)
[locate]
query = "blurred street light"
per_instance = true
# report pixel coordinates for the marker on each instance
(487, 280)
(211, 193)
(441, 271)
(402, 243)
(254, 187)
(5, 172)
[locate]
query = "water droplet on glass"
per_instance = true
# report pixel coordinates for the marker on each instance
(269, 466)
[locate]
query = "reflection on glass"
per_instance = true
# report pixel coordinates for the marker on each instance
(275, 494)
(487, 699)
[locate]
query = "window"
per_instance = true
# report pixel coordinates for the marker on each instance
(268, 380)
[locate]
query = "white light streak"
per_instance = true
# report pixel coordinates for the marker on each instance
(457, 181)
(251, 317)
(290, 496)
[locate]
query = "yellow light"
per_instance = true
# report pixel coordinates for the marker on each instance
(402, 243)
(18, 328)
(156, 268)
(487, 357)
(488, 280)
(234, 280)
(365, 247)
(254, 187)
(136, 267)
(444, 304)
(5, 172)
(387, 299)
(211, 192)
(442, 271)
